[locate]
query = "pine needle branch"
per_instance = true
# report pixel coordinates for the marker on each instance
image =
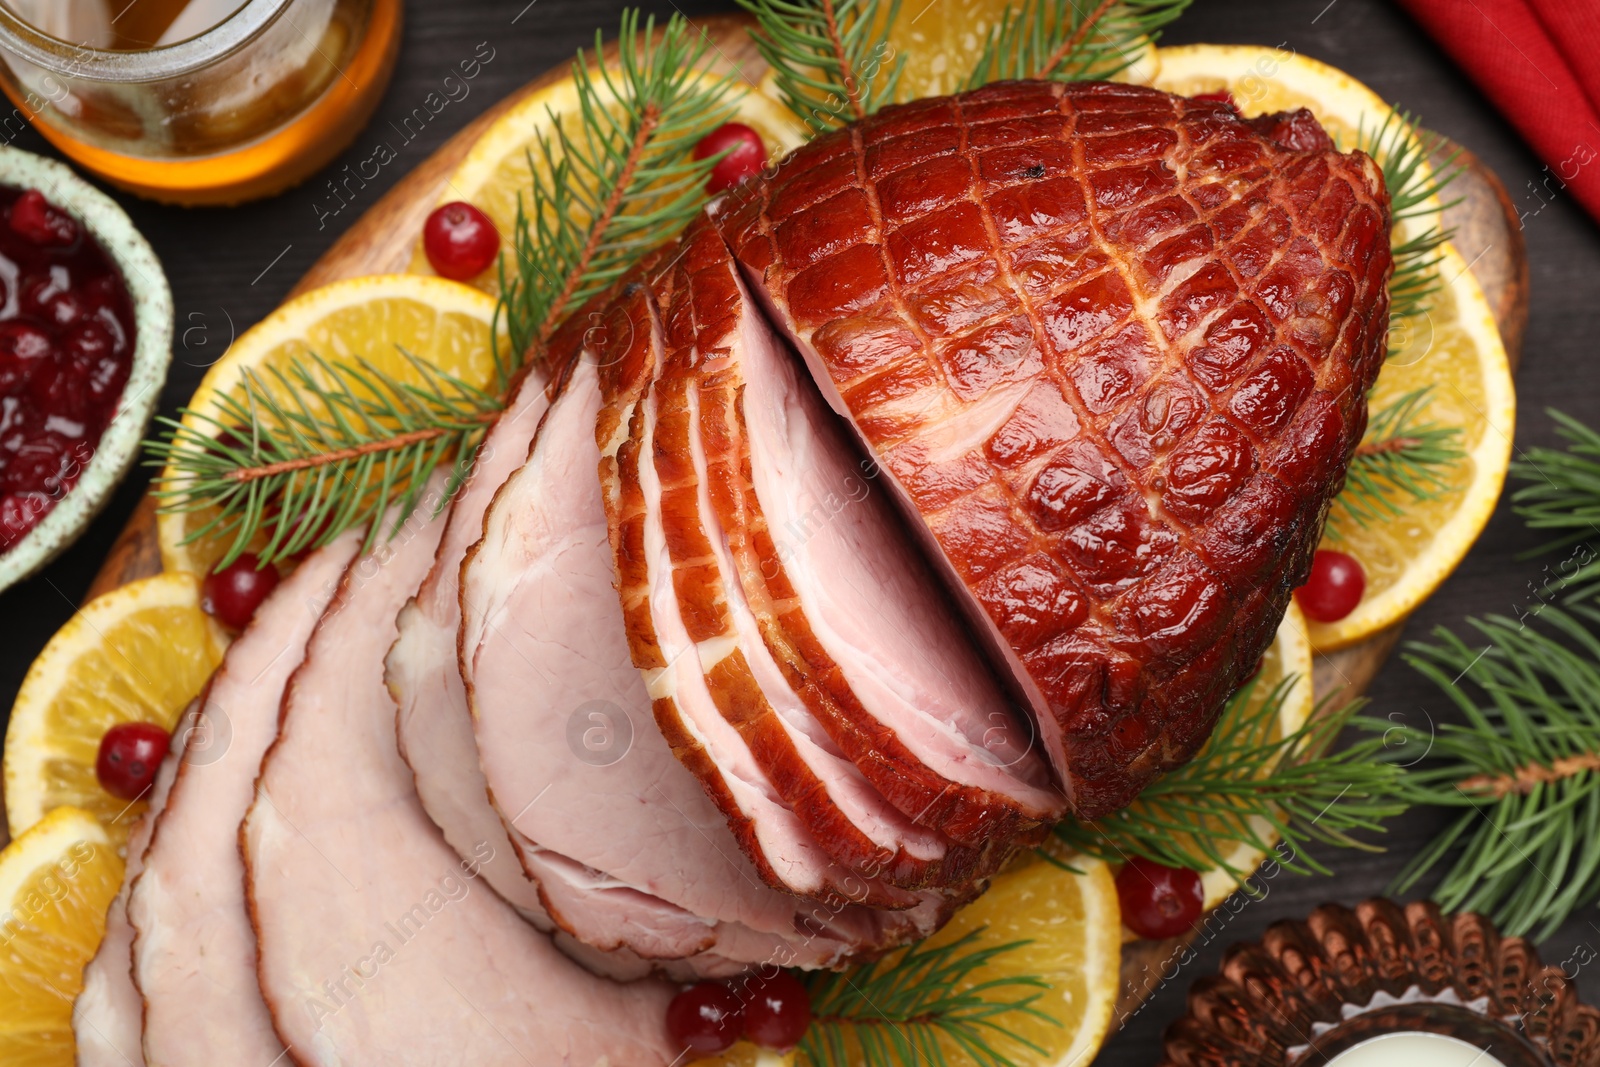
(1248, 787)
(892, 1011)
(1406, 154)
(294, 458)
(616, 179)
(1401, 457)
(1522, 766)
(312, 449)
(1071, 40)
(1563, 496)
(830, 57)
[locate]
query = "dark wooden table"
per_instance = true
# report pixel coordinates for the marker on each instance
(229, 267)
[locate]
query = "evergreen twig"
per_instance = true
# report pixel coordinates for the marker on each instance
(331, 447)
(1247, 787)
(893, 1012)
(1401, 456)
(1522, 767)
(830, 58)
(1071, 40)
(1563, 496)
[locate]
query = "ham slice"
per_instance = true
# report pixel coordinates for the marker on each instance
(562, 726)
(378, 943)
(1110, 350)
(108, 1016)
(194, 953)
(434, 727)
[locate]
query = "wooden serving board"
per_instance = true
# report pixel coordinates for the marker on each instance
(381, 241)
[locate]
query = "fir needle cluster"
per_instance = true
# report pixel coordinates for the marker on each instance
(312, 450)
(830, 58)
(1253, 785)
(897, 1011)
(1071, 40)
(1562, 497)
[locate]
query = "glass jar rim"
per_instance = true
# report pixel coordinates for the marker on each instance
(27, 42)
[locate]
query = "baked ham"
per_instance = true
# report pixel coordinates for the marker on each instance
(1110, 349)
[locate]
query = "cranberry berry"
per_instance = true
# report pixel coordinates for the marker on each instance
(746, 155)
(234, 593)
(130, 755)
(704, 1019)
(461, 241)
(1334, 588)
(777, 1011)
(1159, 901)
(37, 221)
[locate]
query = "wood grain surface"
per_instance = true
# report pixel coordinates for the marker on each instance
(1488, 235)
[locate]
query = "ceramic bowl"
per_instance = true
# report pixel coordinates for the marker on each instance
(1311, 990)
(152, 354)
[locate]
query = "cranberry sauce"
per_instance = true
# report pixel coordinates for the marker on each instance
(66, 348)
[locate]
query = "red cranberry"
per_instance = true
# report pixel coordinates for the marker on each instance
(461, 241)
(1334, 588)
(777, 1011)
(35, 219)
(746, 155)
(130, 755)
(60, 387)
(705, 1019)
(53, 300)
(22, 348)
(1159, 901)
(41, 463)
(234, 593)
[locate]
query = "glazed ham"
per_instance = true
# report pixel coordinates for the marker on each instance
(1110, 348)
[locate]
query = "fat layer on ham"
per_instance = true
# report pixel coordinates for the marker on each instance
(378, 943)
(194, 952)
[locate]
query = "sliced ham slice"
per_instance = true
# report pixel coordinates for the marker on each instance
(562, 726)
(194, 953)
(108, 1016)
(836, 803)
(435, 729)
(378, 944)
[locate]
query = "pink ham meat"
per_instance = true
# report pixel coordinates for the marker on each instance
(378, 944)
(862, 628)
(108, 1016)
(194, 953)
(434, 729)
(1111, 349)
(563, 726)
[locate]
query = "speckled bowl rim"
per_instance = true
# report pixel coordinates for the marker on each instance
(152, 355)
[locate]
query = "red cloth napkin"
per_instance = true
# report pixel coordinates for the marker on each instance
(1539, 62)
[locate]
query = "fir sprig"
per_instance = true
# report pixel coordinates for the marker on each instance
(315, 449)
(332, 447)
(830, 58)
(1563, 496)
(1401, 456)
(1248, 787)
(618, 177)
(894, 1011)
(1068, 40)
(1523, 768)
(1415, 180)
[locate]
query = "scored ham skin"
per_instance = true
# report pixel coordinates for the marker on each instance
(1111, 347)
(108, 1016)
(377, 943)
(194, 953)
(541, 640)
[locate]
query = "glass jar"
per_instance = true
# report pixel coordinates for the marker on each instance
(251, 105)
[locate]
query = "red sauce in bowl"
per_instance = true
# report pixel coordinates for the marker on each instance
(66, 349)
